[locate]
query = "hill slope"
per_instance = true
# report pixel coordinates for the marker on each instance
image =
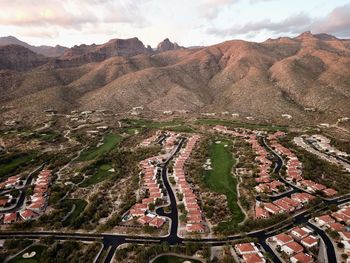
(47, 51)
(264, 80)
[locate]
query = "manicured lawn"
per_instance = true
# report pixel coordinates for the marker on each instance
(152, 124)
(79, 208)
(110, 141)
(99, 176)
(37, 248)
(48, 136)
(237, 124)
(132, 131)
(180, 128)
(220, 179)
(174, 259)
(10, 164)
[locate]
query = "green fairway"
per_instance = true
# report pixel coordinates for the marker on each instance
(137, 123)
(38, 249)
(179, 128)
(237, 124)
(109, 142)
(79, 208)
(48, 136)
(99, 176)
(220, 179)
(131, 131)
(10, 164)
(174, 259)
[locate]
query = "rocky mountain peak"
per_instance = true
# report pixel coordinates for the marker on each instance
(323, 36)
(167, 45)
(305, 35)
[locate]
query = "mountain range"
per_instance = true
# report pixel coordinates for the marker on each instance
(306, 77)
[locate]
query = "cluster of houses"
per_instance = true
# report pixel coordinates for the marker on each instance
(338, 221)
(194, 220)
(329, 156)
(36, 203)
(153, 192)
(151, 186)
(148, 141)
(294, 166)
(5, 200)
(322, 144)
(282, 205)
(171, 140)
(294, 169)
(299, 245)
(265, 182)
(11, 182)
(264, 164)
(249, 253)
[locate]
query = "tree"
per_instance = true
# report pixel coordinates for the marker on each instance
(152, 206)
(180, 196)
(49, 240)
(181, 207)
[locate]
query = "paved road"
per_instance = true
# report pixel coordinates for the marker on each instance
(332, 258)
(173, 214)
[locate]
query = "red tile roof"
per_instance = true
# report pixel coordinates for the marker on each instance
(295, 247)
(326, 218)
(309, 240)
(261, 212)
(303, 258)
(3, 201)
(157, 222)
(11, 217)
(284, 238)
(329, 192)
(246, 248)
(28, 214)
(297, 231)
(195, 227)
(253, 258)
(337, 226)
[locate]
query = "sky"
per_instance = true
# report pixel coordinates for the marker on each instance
(187, 22)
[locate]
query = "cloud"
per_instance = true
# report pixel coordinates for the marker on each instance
(291, 24)
(39, 32)
(70, 14)
(258, 1)
(23, 13)
(336, 22)
(210, 9)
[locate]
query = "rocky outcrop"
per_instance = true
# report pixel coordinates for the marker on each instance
(114, 47)
(15, 57)
(49, 51)
(167, 45)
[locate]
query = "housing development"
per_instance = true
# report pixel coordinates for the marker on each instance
(111, 189)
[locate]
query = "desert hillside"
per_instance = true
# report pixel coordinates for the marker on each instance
(307, 77)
